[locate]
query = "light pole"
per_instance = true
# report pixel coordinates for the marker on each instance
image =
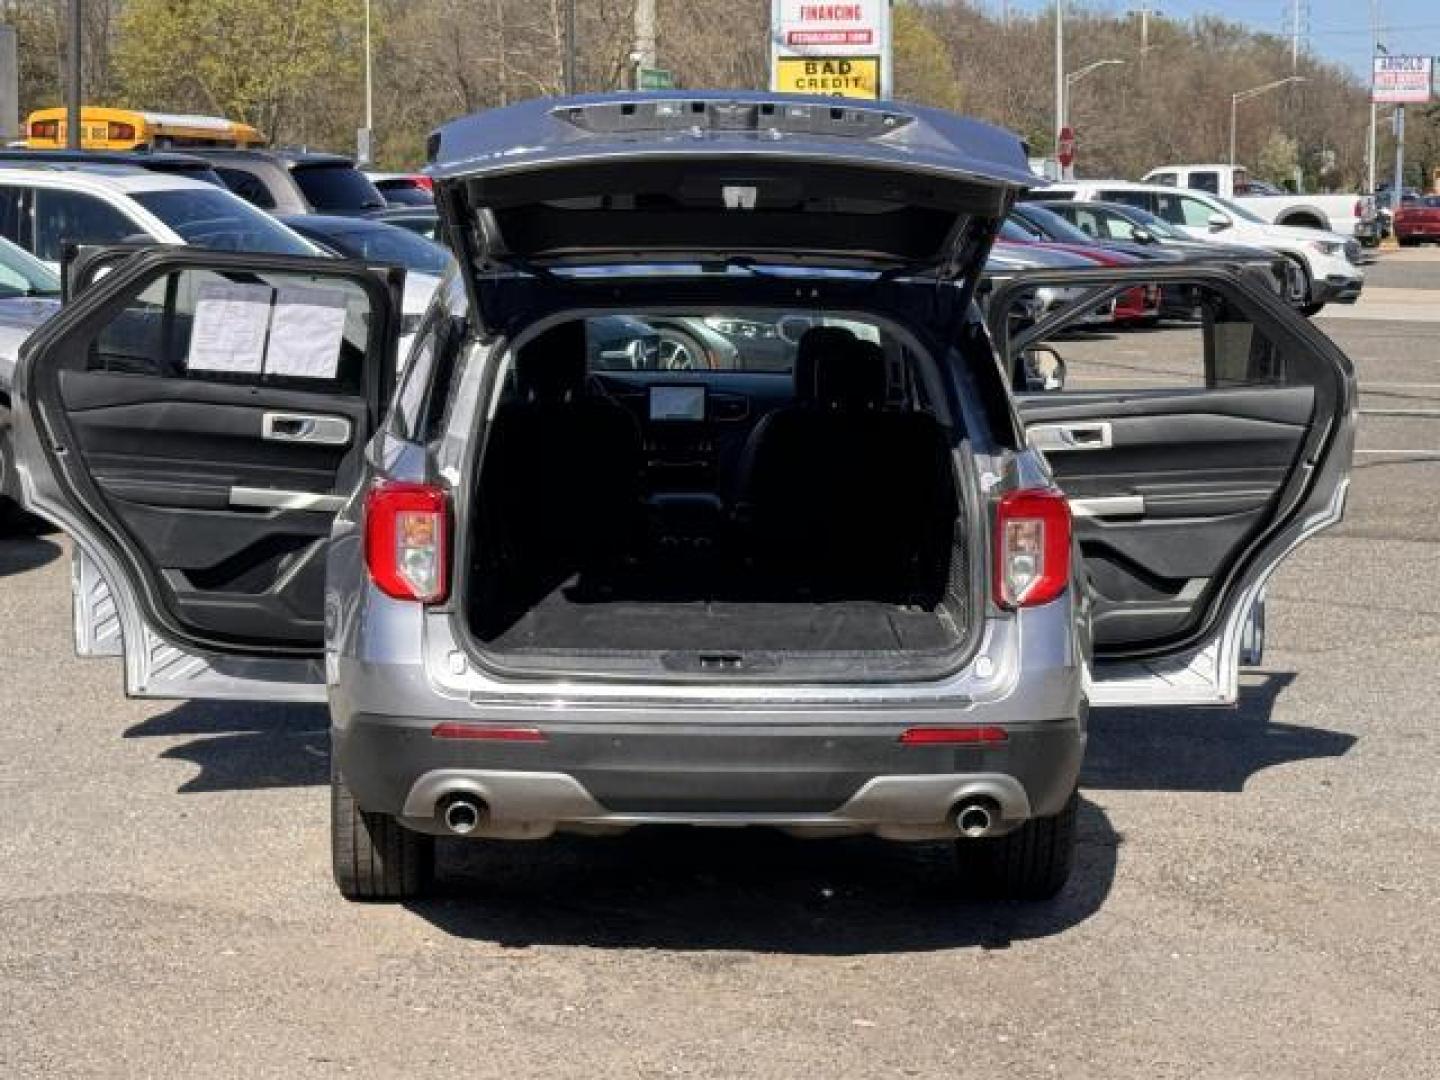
(1075, 76)
(1246, 95)
(72, 111)
(365, 149)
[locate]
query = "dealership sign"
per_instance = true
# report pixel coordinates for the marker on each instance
(1403, 80)
(840, 48)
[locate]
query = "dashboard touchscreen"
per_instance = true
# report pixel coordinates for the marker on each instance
(677, 403)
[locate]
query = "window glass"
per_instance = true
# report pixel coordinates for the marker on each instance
(252, 328)
(248, 186)
(378, 242)
(337, 187)
(748, 340)
(23, 275)
(1166, 178)
(1196, 339)
(1205, 181)
(73, 217)
(12, 215)
(211, 218)
(1183, 210)
(1143, 199)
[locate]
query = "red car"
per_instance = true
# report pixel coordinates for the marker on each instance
(1418, 221)
(1140, 305)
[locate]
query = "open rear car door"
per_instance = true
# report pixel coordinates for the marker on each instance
(194, 419)
(1197, 451)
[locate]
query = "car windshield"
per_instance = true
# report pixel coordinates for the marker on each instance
(1235, 210)
(337, 187)
(211, 218)
(1430, 202)
(21, 274)
(377, 242)
(739, 341)
(1054, 226)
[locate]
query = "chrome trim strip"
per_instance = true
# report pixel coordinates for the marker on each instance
(275, 499)
(1108, 506)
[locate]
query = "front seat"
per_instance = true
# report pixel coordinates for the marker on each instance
(561, 470)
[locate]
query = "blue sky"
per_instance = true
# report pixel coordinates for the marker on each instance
(1339, 29)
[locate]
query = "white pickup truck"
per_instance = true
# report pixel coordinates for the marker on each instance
(1348, 215)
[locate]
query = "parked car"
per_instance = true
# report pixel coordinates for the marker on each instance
(403, 189)
(172, 163)
(372, 241)
(29, 295)
(1139, 306)
(46, 207)
(876, 593)
(1346, 215)
(296, 181)
(1418, 221)
(1330, 263)
(1129, 225)
(424, 220)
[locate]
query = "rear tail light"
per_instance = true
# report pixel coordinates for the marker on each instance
(464, 729)
(1032, 547)
(407, 541)
(423, 181)
(949, 736)
(1359, 207)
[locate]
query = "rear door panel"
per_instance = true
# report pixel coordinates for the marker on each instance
(1195, 457)
(201, 499)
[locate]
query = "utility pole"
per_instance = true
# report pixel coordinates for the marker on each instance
(1376, 49)
(366, 141)
(72, 112)
(570, 48)
(1059, 72)
(643, 55)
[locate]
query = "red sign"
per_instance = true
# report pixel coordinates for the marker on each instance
(1065, 151)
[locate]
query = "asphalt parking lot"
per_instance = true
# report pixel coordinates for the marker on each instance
(1258, 892)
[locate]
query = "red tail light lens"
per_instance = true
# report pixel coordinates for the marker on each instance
(943, 736)
(1032, 547)
(407, 541)
(461, 729)
(423, 181)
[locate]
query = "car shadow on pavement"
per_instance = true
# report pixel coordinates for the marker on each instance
(242, 745)
(21, 552)
(1201, 749)
(746, 889)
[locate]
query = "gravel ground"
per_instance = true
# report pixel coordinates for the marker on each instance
(1258, 890)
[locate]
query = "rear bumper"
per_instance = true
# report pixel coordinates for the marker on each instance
(818, 779)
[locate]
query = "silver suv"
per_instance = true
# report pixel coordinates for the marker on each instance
(715, 490)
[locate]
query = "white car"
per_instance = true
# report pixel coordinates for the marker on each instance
(29, 294)
(1330, 262)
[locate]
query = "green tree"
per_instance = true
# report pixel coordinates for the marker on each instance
(923, 69)
(1277, 159)
(259, 61)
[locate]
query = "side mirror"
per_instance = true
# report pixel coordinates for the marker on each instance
(1142, 235)
(1044, 370)
(1219, 221)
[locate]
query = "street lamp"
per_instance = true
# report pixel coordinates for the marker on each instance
(1074, 77)
(1246, 95)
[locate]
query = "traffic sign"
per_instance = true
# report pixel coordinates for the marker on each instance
(1065, 151)
(654, 79)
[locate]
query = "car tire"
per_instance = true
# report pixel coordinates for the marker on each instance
(680, 351)
(1406, 241)
(373, 856)
(1031, 863)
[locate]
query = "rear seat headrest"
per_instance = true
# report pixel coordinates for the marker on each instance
(853, 380)
(815, 344)
(552, 366)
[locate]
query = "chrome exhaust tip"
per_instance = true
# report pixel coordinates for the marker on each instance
(977, 817)
(462, 814)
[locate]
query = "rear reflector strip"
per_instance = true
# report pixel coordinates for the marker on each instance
(460, 730)
(936, 736)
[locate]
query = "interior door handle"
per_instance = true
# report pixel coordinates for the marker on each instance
(1050, 438)
(305, 428)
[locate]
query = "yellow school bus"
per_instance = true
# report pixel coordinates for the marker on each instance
(132, 129)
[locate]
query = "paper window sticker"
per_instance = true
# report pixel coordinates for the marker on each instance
(306, 330)
(227, 332)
